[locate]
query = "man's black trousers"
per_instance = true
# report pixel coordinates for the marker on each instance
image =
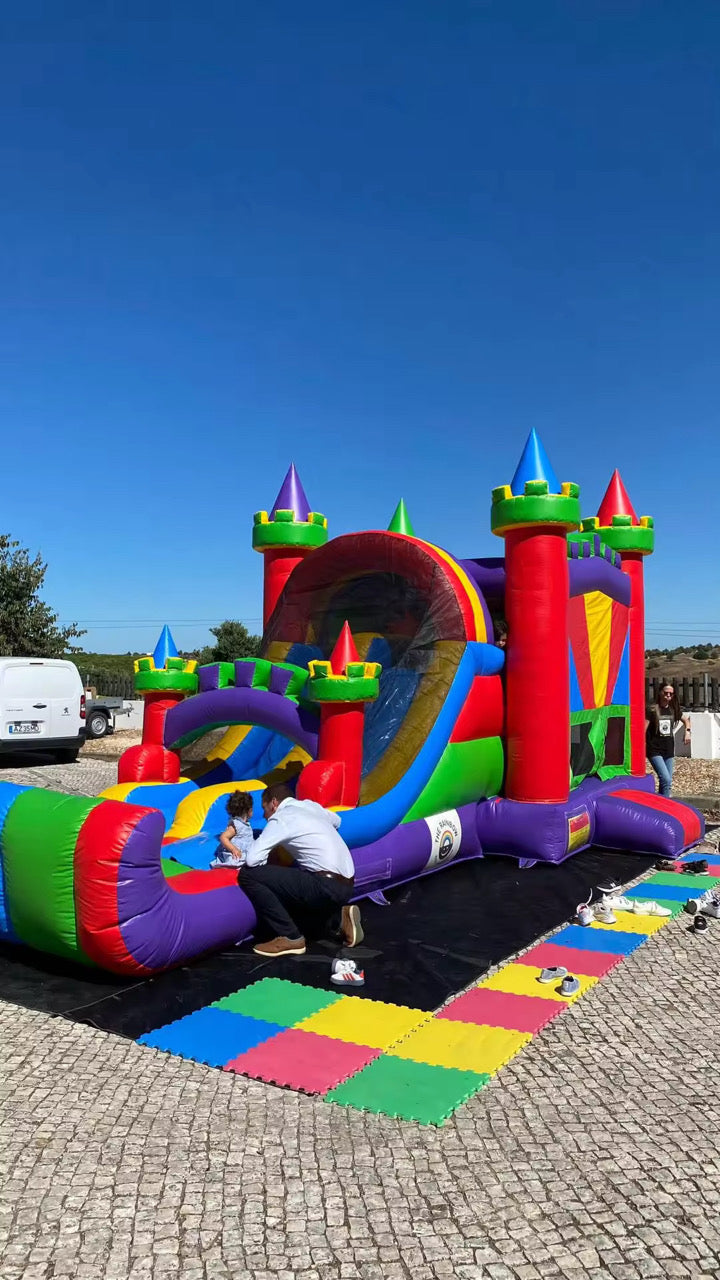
(290, 902)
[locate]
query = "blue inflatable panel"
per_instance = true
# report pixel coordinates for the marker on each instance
(196, 852)
(9, 793)
(609, 941)
(213, 1036)
(166, 797)
(216, 819)
(301, 654)
(275, 751)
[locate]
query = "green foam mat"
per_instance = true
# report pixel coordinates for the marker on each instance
(408, 1090)
(276, 1000)
(677, 879)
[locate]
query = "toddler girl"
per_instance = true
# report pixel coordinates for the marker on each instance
(237, 838)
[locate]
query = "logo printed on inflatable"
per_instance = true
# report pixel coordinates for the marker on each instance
(446, 833)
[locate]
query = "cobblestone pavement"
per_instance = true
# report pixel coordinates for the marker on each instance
(593, 1154)
(87, 777)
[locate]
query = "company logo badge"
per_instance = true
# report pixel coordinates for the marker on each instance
(446, 835)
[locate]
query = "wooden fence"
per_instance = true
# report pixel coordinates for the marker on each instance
(108, 684)
(696, 693)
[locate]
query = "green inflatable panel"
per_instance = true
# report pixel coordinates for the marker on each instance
(466, 771)
(39, 840)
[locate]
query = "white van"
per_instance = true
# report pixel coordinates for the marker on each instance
(42, 706)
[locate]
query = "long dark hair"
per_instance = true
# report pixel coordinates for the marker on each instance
(674, 704)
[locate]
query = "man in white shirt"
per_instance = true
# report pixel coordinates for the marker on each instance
(320, 882)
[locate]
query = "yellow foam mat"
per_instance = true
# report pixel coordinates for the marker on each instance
(522, 980)
(468, 1047)
(367, 1022)
(628, 922)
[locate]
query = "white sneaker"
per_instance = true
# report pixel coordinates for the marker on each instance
(694, 905)
(585, 913)
(712, 908)
(619, 904)
(346, 974)
(603, 913)
(642, 908)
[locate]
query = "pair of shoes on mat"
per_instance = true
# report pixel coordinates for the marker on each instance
(708, 903)
(694, 867)
(345, 973)
(569, 986)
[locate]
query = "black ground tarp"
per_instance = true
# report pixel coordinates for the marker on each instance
(437, 935)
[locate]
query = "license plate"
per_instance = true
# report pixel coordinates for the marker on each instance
(24, 726)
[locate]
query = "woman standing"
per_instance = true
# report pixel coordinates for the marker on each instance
(662, 720)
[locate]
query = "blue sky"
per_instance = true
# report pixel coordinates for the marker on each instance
(382, 240)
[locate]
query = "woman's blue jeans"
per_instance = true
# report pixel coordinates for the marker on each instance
(664, 771)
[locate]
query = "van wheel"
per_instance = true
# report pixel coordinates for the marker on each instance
(97, 725)
(68, 756)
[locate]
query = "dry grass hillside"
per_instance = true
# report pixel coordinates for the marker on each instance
(681, 666)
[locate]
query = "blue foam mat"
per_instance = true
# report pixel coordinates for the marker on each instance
(611, 942)
(213, 1036)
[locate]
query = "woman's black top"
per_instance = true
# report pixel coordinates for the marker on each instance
(660, 735)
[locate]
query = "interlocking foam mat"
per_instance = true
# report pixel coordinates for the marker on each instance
(404, 1062)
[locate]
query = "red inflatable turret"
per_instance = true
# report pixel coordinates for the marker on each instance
(341, 688)
(285, 537)
(162, 681)
(534, 514)
(620, 529)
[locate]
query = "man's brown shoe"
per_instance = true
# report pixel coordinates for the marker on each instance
(352, 929)
(281, 947)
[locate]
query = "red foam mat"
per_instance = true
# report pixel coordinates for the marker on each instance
(501, 1009)
(303, 1060)
(592, 964)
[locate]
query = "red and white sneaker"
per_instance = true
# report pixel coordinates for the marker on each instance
(346, 974)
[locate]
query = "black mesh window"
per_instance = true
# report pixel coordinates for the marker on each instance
(582, 756)
(615, 741)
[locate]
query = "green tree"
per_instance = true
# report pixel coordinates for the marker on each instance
(232, 640)
(28, 626)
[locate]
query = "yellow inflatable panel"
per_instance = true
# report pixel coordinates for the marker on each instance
(193, 810)
(121, 790)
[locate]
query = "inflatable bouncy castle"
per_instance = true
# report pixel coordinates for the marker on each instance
(380, 693)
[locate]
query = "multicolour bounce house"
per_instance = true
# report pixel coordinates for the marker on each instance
(379, 693)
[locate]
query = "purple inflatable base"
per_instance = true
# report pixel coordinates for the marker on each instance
(595, 814)
(162, 927)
